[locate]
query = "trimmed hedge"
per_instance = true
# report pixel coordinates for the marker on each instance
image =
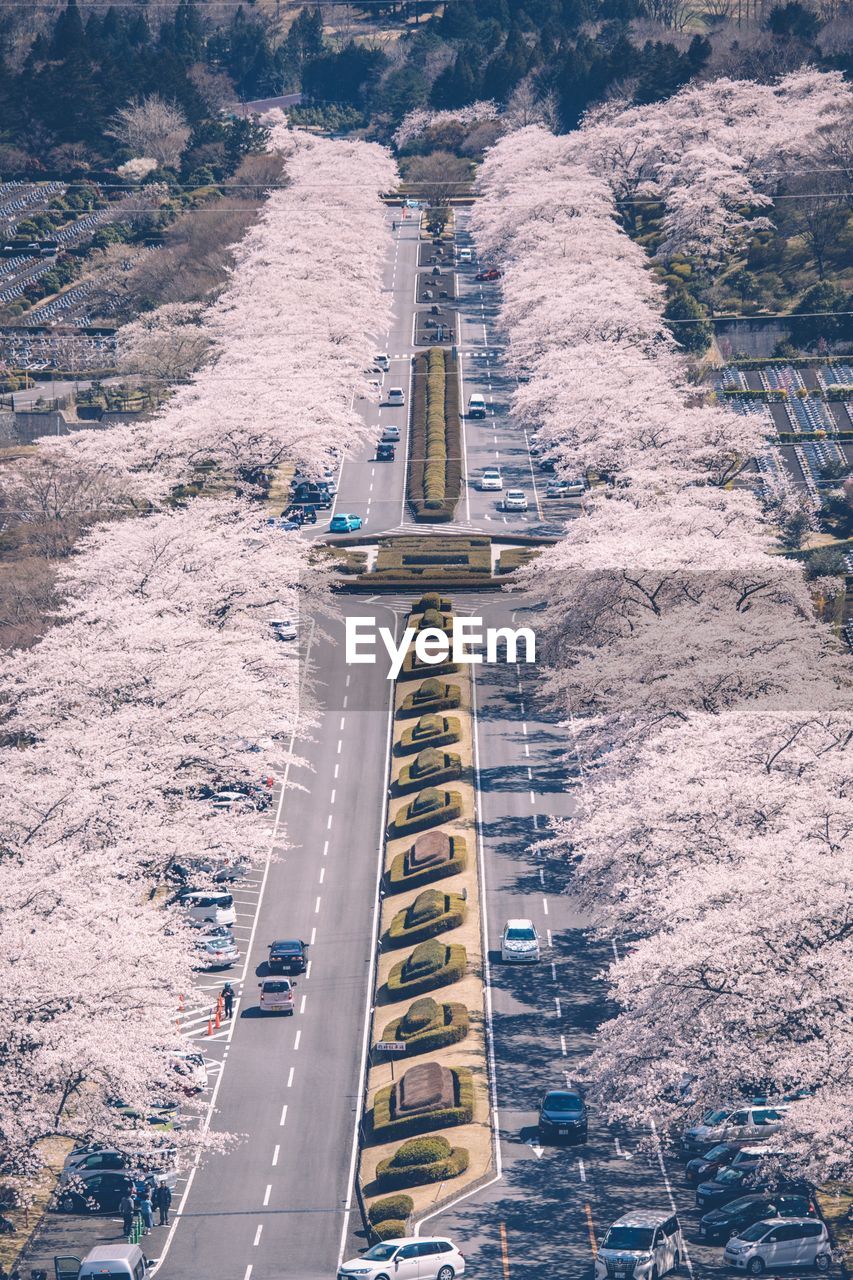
(391, 1229)
(431, 554)
(434, 480)
(432, 695)
(430, 767)
(399, 878)
(431, 1163)
(385, 1126)
(429, 808)
(430, 731)
(431, 913)
(413, 668)
(431, 965)
(388, 1207)
(432, 600)
(428, 1026)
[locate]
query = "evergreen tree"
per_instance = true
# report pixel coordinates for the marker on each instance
(690, 328)
(68, 34)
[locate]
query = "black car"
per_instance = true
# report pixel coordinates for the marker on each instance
(727, 1185)
(703, 1168)
(315, 495)
(287, 956)
(97, 1193)
(563, 1117)
(385, 452)
(718, 1226)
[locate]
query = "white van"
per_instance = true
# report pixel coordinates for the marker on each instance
(464, 255)
(644, 1244)
(125, 1260)
(476, 407)
(205, 906)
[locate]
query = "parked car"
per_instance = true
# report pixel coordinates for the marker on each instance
(738, 1125)
(391, 434)
(345, 523)
(216, 953)
(201, 906)
(565, 488)
(161, 1164)
(515, 500)
(385, 452)
(464, 255)
(563, 1116)
(192, 870)
(96, 1192)
(548, 465)
(284, 628)
(313, 495)
(119, 1261)
(780, 1243)
(490, 478)
(407, 1258)
(276, 995)
(729, 1183)
(644, 1243)
(720, 1225)
(287, 956)
(191, 1067)
(491, 273)
(476, 406)
(396, 396)
(282, 524)
(703, 1168)
(381, 363)
(520, 942)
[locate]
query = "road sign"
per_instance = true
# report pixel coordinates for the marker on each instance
(391, 1046)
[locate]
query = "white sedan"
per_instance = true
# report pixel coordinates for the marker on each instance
(520, 942)
(515, 500)
(490, 478)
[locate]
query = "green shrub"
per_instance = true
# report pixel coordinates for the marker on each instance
(400, 877)
(431, 696)
(389, 1207)
(434, 473)
(390, 1229)
(421, 1151)
(385, 1126)
(428, 1026)
(390, 1175)
(431, 913)
(413, 668)
(432, 600)
(431, 965)
(430, 731)
(429, 808)
(430, 765)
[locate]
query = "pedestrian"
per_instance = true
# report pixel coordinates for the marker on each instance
(126, 1208)
(146, 1209)
(393, 226)
(162, 1202)
(228, 999)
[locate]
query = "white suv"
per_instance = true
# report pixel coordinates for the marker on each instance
(520, 942)
(646, 1244)
(407, 1258)
(780, 1242)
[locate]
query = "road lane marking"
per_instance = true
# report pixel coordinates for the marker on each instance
(550, 939)
(290, 1077)
(298, 1038)
(563, 1048)
(559, 1006)
(317, 907)
(541, 877)
(283, 1116)
(545, 905)
(581, 1170)
(329, 823)
(591, 1228)
(332, 797)
(267, 1194)
(257, 1239)
(247, 1273)
(322, 874)
(313, 936)
(532, 798)
(668, 1184)
(504, 1252)
(553, 971)
(615, 950)
(527, 750)
(340, 745)
(302, 1008)
(337, 771)
(325, 847)
(343, 723)
(524, 727)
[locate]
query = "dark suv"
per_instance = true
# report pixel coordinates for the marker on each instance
(287, 956)
(385, 452)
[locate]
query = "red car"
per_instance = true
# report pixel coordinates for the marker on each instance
(491, 274)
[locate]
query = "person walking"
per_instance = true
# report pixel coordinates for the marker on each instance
(126, 1208)
(163, 1202)
(228, 999)
(147, 1210)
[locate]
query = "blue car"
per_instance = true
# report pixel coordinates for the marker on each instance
(345, 524)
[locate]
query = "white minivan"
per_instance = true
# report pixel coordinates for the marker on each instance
(464, 255)
(780, 1242)
(118, 1260)
(476, 407)
(645, 1244)
(204, 906)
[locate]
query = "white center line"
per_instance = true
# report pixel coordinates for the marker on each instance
(532, 801)
(563, 1049)
(550, 940)
(559, 1006)
(298, 1038)
(283, 1114)
(322, 874)
(346, 700)
(267, 1194)
(553, 971)
(334, 793)
(329, 823)
(275, 1156)
(527, 750)
(317, 906)
(308, 971)
(302, 1004)
(325, 847)
(313, 936)
(290, 1077)
(541, 877)
(343, 722)
(257, 1239)
(545, 905)
(581, 1171)
(337, 770)
(340, 745)
(247, 1273)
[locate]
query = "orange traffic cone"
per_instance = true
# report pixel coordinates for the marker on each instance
(218, 1017)
(210, 1026)
(181, 1002)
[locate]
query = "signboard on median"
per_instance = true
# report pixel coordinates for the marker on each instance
(391, 1046)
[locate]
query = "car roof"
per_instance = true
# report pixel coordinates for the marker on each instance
(289, 944)
(113, 1253)
(644, 1218)
(519, 924)
(562, 1093)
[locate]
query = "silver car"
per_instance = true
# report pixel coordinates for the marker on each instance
(780, 1242)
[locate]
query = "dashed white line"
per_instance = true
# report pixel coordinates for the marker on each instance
(322, 874)
(532, 800)
(542, 877)
(340, 746)
(332, 797)
(343, 723)
(550, 939)
(290, 1077)
(563, 1048)
(337, 770)
(298, 1038)
(267, 1194)
(257, 1239)
(283, 1116)
(313, 936)
(325, 847)
(329, 823)
(558, 1006)
(308, 971)
(247, 1273)
(553, 971)
(302, 1004)
(545, 905)
(275, 1156)
(581, 1171)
